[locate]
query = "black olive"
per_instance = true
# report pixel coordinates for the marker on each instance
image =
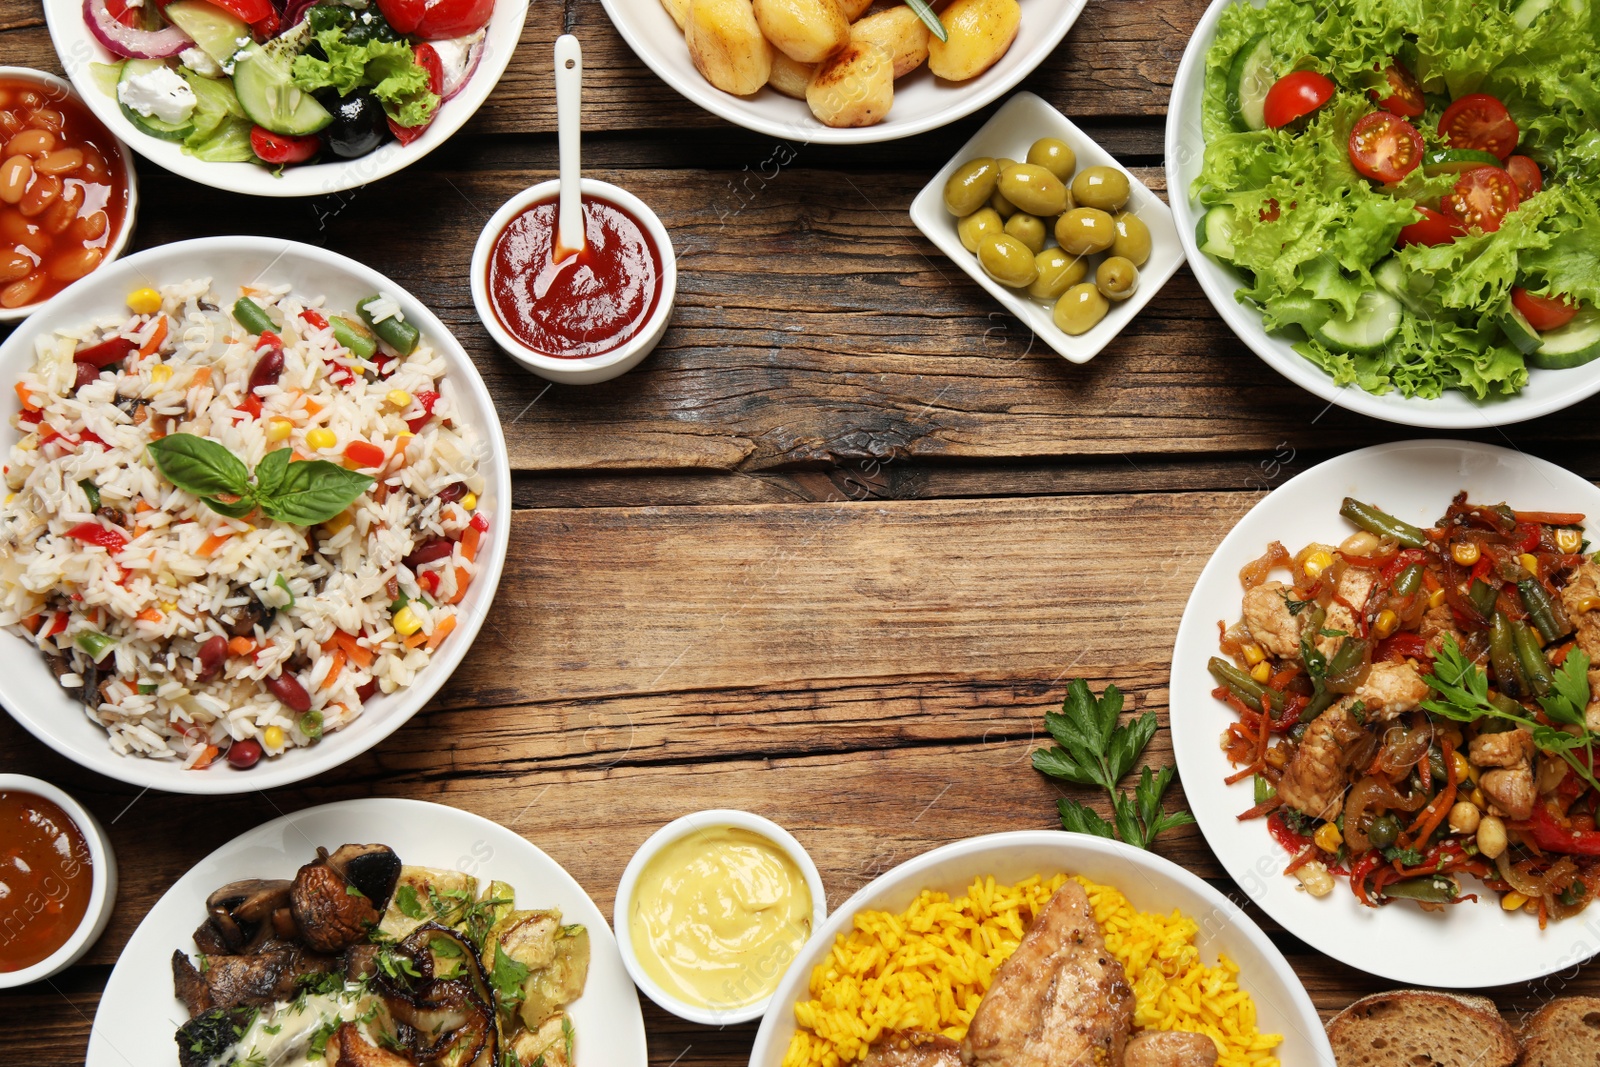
(358, 126)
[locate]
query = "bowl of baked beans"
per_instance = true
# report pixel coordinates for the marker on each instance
(67, 190)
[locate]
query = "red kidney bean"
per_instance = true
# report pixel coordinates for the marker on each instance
(268, 368)
(452, 492)
(87, 372)
(245, 754)
(213, 654)
(430, 550)
(287, 688)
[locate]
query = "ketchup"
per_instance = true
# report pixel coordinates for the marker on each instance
(587, 304)
(45, 878)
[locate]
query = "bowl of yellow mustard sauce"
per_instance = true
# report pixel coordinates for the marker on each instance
(711, 912)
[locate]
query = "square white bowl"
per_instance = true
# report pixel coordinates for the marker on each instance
(1024, 119)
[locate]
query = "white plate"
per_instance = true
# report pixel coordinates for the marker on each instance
(139, 1014)
(1545, 392)
(27, 688)
(921, 101)
(78, 48)
(1024, 119)
(1149, 882)
(1468, 945)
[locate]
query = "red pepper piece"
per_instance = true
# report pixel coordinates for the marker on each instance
(92, 533)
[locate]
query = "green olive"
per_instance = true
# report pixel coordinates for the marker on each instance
(1133, 239)
(1080, 309)
(1116, 278)
(1033, 189)
(1103, 187)
(1055, 156)
(978, 225)
(1007, 260)
(1029, 229)
(1001, 205)
(1084, 231)
(1058, 272)
(970, 187)
(1002, 162)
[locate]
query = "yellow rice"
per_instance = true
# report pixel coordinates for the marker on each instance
(929, 966)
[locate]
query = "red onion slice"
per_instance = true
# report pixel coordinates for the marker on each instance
(127, 41)
(459, 56)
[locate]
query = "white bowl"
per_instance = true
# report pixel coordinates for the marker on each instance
(1024, 119)
(78, 48)
(1149, 882)
(593, 369)
(676, 830)
(60, 87)
(102, 883)
(1546, 391)
(27, 688)
(921, 101)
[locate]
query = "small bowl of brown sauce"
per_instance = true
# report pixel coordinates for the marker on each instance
(58, 880)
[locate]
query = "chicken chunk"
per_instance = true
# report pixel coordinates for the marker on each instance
(1591, 714)
(1391, 689)
(1315, 781)
(1511, 789)
(913, 1048)
(1501, 750)
(1170, 1048)
(1349, 602)
(1438, 624)
(1061, 1000)
(1267, 617)
(1585, 585)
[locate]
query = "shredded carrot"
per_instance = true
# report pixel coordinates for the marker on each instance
(469, 543)
(209, 546)
(241, 646)
(354, 651)
(202, 375)
(333, 671)
(441, 630)
(149, 615)
(1431, 816)
(156, 337)
(462, 580)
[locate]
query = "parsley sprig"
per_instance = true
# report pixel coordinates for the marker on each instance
(1091, 748)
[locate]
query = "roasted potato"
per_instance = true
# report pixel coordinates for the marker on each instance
(807, 31)
(726, 45)
(679, 10)
(980, 31)
(899, 32)
(789, 77)
(853, 9)
(854, 87)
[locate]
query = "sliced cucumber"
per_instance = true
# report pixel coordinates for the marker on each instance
(1376, 321)
(1250, 78)
(1519, 331)
(215, 32)
(270, 97)
(1456, 160)
(1214, 233)
(1573, 345)
(167, 131)
(105, 77)
(1392, 279)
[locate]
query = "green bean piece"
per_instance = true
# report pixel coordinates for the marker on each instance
(1243, 686)
(1483, 596)
(400, 336)
(1381, 524)
(1429, 889)
(1264, 790)
(1530, 652)
(252, 316)
(95, 644)
(1547, 618)
(92, 492)
(1503, 656)
(354, 336)
(1410, 580)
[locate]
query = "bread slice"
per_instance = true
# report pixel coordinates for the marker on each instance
(1421, 1028)
(1563, 1033)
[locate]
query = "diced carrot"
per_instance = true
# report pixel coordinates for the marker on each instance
(209, 546)
(150, 615)
(441, 630)
(462, 580)
(312, 407)
(140, 507)
(202, 375)
(357, 653)
(241, 646)
(138, 530)
(205, 758)
(469, 543)
(333, 671)
(25, 395)
(156, 337)
(415, 640)
(32, 622)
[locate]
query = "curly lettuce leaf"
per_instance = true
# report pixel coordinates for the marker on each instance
(387, 69)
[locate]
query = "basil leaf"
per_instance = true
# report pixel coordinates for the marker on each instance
(237, 509)
(199, 466)
(269, 472)
(313, 491)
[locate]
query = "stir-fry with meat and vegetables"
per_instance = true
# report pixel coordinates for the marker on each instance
(1416, 705)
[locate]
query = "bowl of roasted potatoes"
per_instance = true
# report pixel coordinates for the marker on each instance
(843, 71)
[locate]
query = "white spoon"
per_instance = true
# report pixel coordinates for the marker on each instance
(569, 91)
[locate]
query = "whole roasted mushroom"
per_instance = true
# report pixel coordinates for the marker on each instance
(242, 916)
(337, 898)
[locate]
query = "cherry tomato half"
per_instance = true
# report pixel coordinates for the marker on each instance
(435, 20)
(281, 148)
(1432, 229)
(1543, 312)
(1405, 93)
(250, 11)
(1482, 198)
(1296, 95)
(1525, 172)
(1385, 147)
(1481, 122)
(428, 59)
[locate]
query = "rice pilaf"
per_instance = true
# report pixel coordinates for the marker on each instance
(105, 559)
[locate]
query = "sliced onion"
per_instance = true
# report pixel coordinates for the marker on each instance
(1521, 881)
(127, 41)
(1255, 572)
(1402, 748)
(459, 57)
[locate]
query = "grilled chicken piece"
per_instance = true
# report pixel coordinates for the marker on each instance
(913, 1048)
(1437, 624)
(266, 977)
(1315, 781)
(1266, 616)
(347, 1048)
(1505, 749)
(1510, 785)
(1169, 1048)
(1349, 601)
(1391, 689)
(1061, 1000)
(1584, 586)
(330, 916)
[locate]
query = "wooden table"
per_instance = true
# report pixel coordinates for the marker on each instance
(829, 554)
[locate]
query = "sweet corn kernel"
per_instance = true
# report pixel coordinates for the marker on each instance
(144, 301)
(1328, 837)
(339, 521)
(279, 429)
(1385, 623)
(406, 622)
(169, 606)
(1588, 604)
(1317, 562)
(1530, 563)
(1436, 598)
(470, 501)
(1569, 541)
(321, 438)
(161, 374)
(1262, 672)
(11, 498)
(1252, 653)
(1465, 553)
(272, 737)
(1513, 901)
(1463, 768)
(399, 398)
(1478, 796)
